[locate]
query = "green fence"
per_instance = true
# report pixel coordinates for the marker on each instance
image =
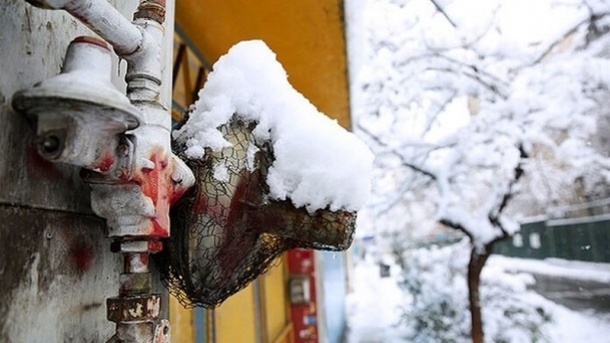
(582, 239)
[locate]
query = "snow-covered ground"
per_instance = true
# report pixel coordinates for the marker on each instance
(374, 306)
(578, 270)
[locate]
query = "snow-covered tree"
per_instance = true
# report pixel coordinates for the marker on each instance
(523, 108)
(434, 278)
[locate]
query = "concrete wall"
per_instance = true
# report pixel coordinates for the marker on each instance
(56, 269)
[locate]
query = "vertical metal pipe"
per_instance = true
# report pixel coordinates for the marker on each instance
(136, 263)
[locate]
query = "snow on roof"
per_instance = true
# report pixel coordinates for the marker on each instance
(317, 162)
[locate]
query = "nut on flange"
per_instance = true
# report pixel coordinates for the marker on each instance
(133, 309)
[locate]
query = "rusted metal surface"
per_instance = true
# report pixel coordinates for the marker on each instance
(135, 284)
(133, 309)
(149, 332)
(151, 9)
(141, 332)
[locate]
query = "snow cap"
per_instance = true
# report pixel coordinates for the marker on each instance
(317, 164)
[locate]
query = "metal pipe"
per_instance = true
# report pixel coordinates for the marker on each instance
(136, 204)
(101, 17)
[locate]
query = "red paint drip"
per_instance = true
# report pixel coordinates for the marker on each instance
(239, 234)
(175, 194)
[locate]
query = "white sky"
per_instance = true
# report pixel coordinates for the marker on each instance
(522, 23)
(536, 21)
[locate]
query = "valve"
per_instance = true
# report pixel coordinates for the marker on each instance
(80, 115)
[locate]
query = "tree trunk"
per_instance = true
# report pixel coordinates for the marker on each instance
(475, 266)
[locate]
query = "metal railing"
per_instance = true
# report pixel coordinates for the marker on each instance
(189, 73)
(580, 238)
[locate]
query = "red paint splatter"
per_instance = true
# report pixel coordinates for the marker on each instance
(82, 258)
(144, 259)
(155, 246)
(124, 175)
(156, 183)
(41, 167)
(105, 162)
(176, 194)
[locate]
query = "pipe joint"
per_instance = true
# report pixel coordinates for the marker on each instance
(151, 9)
(145, 64)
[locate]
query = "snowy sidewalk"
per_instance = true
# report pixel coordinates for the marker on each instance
(580, 286)
(374, 305)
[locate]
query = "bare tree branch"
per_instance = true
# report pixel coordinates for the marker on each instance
(590, 20)
(432, 118)
(440, 9)
(476, 77)
(402, 158)
(456, 226)
(371, 135)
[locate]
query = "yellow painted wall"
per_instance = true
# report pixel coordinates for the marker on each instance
(275, 300)
(306, 35)
(235, 318)
(181, 322)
